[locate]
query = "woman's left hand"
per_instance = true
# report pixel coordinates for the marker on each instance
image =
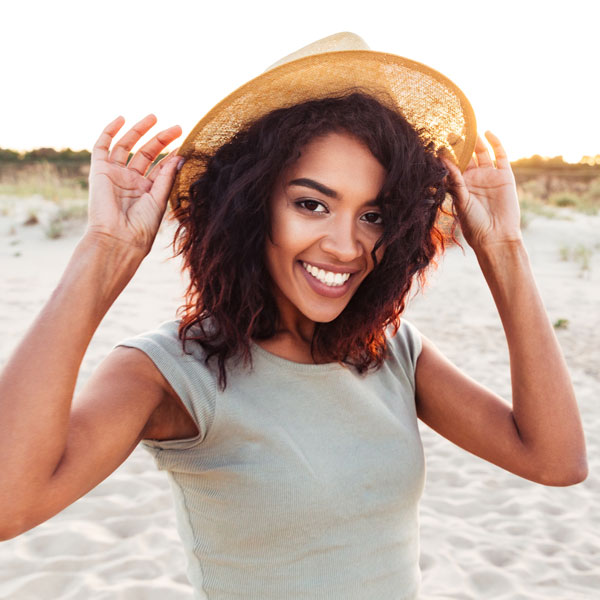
(486, 197)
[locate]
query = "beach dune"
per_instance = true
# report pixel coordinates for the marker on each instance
(486, 534)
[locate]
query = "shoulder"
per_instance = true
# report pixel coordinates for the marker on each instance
(164, 346)
(165, 336)
(189, 382)
(404, 344)
(404, 347)
(181, 363)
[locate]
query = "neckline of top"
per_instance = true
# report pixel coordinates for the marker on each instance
(296, 366)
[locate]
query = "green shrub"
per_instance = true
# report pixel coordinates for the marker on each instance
(564, 199)
(534, 188)
(565, 253)
(561, 323)
(532, 206)
(73, 210)
(54, 229)
(582, 255)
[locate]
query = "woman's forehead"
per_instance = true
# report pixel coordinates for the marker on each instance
(338, 162)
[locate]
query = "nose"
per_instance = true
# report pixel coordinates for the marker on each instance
(342, 240)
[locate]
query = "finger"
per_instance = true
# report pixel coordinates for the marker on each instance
(502, 161)
(451, 166)
(100, 149)
(164, 180)
(448, 159)
(457, 183)
(472, 164)
(155, 169)
(147, 154)
(120, 152)
(482, 153)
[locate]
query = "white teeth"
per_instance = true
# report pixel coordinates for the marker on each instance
(327, 277)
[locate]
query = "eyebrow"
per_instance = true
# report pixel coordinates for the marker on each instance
(327, 191)
(315, 185)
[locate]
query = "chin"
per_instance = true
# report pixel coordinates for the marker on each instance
(323, 316)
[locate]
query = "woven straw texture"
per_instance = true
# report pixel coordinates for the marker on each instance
(425, 97)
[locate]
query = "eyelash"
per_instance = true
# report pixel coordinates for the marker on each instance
(301, 204)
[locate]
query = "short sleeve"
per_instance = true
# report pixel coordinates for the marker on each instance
(404, 349)
(188, 375)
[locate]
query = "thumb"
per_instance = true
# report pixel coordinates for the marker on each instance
(163, 182)
(456, 183)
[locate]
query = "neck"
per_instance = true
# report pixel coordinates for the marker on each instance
(294, 334)
(291, 323)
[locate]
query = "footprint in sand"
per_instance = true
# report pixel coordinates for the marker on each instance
(490, 583)
(498, 557)
(548, 549)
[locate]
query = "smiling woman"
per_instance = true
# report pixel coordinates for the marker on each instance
(284, 402)
(331, 189)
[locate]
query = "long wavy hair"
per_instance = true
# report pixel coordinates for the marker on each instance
(224, 223)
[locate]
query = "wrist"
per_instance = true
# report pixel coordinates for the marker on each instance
(104, 242)
(506, 267)
(100, 268)
(495, 249)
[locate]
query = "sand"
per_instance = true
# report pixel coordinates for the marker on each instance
(486, 534)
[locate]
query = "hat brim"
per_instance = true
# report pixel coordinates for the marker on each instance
(426, 98)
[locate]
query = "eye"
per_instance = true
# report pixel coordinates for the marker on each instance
(312, 206)
(374, 218)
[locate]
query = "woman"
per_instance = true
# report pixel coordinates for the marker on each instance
(284, 403)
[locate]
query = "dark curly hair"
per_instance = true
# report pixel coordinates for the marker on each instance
(224, 223)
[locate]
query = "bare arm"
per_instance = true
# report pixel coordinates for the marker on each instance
(540, 437)
(37, 424)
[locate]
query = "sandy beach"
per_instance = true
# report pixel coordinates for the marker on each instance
(485, 533)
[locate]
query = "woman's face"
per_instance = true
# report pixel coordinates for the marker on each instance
(325, 223)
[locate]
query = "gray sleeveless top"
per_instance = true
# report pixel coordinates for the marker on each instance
(304, 480)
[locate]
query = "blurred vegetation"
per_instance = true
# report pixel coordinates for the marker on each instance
(45, 179)
(545, 185)
(67, 163)
(54, 182)
(548, 184)
(580, 254)
(53, 174)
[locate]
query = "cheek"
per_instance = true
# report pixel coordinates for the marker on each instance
(279, 226)
(292, 234)
(281, 249)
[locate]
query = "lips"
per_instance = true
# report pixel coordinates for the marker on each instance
(329, 291)
(330, 278)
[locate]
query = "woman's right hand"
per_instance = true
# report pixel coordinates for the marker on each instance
(126, 204)
(56, 448)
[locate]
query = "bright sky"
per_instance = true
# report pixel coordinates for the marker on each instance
(529, 67)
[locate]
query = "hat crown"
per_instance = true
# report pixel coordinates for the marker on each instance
(330, 68)
(337, 42)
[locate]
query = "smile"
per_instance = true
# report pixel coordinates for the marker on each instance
(329, 278)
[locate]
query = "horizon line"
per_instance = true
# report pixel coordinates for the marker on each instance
(582, 160)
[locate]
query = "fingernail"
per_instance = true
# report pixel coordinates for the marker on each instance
(180, 163)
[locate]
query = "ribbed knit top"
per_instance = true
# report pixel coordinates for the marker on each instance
(304, 480)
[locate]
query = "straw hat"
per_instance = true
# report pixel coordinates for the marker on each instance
(329, 67)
